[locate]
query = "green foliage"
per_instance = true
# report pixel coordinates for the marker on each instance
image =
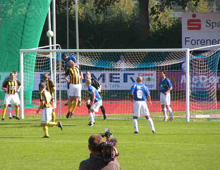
(161, 16)
(103, 29)
(198, 6)
(177, 145)
(116, 24)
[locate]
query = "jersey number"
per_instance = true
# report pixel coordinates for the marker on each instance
(139, 94)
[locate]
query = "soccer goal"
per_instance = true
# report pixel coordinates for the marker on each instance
(193, 74)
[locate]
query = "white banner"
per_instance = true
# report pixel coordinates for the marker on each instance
(200, 29)
(124, 80)
(113, 80)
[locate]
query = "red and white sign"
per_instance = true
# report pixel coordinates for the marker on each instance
(200, 29)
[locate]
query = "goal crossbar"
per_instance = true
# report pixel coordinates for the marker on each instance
(186, 51)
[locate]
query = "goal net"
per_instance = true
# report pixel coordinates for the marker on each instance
(193, 75)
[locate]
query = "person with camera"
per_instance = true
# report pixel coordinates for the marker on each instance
(96, 160)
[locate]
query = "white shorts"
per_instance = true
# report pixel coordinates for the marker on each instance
(165, 99)
(75, 90)
(140, 109)
(12, 99)
(46, 115)
(96, 106)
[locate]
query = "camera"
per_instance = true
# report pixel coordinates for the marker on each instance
(109, 152)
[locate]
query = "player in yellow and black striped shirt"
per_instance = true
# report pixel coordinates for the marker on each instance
(11, 87)
(75, 86)
(50, 87)
(74, 75)
(46, 105)
(9, 108)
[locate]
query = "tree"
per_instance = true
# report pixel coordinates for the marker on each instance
(198, 6)
(144, 18)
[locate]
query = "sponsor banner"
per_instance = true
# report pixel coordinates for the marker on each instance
(198, 81)
(109, 80)
(200, 29)
(125, 79)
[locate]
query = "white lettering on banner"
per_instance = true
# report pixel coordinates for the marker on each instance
(110, 80)
(123, 80)
(199, 79)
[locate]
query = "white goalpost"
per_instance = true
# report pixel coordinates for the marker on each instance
(29, 66)
(117, 69)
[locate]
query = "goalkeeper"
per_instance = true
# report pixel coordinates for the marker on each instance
(165, 88)
(98, 86)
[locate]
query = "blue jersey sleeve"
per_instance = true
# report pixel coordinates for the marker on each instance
(169, 83)
(132, 89)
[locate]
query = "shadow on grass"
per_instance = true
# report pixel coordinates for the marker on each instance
(11, 137)
(64, 125)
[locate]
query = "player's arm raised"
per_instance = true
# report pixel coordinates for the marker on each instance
(81, 75)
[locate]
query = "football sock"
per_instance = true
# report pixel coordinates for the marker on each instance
(91, 117)
(170, 111)
(51, 124)
(74, 105)
(150, 121)
(164, 112)
(45, 129)
(4, 111)
(9, 111)
(103, 110)
(69, 106)
(94, 116)
(17, 111)
(135, 123)
(53, 116)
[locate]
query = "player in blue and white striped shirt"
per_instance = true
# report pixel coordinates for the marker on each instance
(165, 88)
(140, 94)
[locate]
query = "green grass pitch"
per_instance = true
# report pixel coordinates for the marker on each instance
(178, 145)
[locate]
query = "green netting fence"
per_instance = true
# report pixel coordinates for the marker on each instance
(21, 25)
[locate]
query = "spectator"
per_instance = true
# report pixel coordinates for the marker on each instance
(96, 160)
